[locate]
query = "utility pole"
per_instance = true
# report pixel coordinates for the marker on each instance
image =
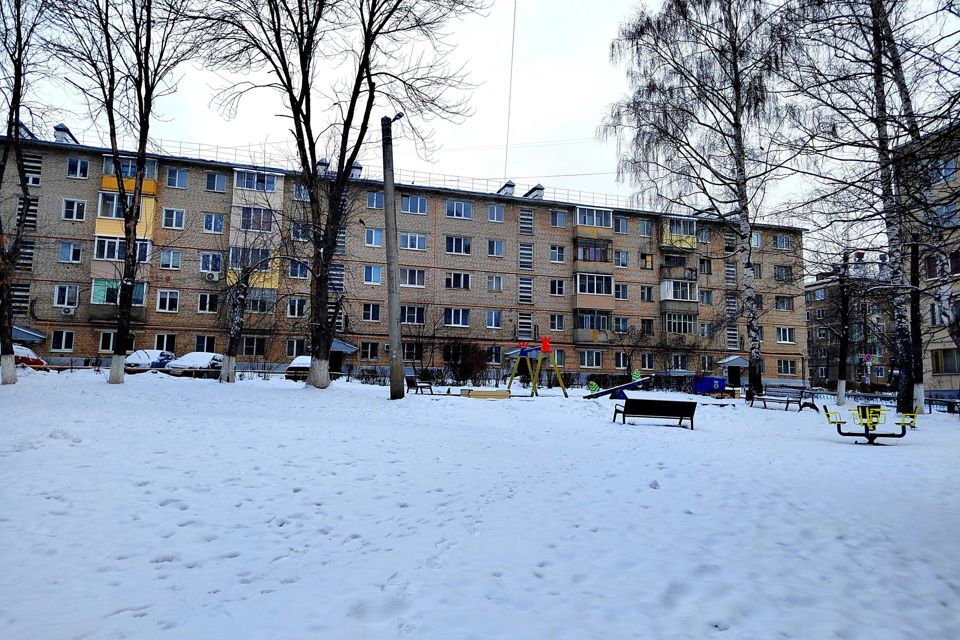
(393, 261)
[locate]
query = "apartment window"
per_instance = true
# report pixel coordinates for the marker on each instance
(591, 359)
(556, 322)
(560, 357)
(128, 167)
(680, 290)
(786, 335)
(115, 249)
(173, 218)
(703, 235)
(646, 261)
(680, 227)
(525, 256)
(786, 367)
(371, 312)
(595, 284)
(372, 273)
(165, 342)
(819, 314)
(78, 168)
(255, 181)
(61, 340)
(258, 259)
(412, 315)
(557, 287)
(455, 317)
(784, 303)
(557, 253)
(177, 178)
(106, 341)
(526, 222)
(413, 241)
(412, 351)
(621, 360)
(369, 350)
(207, 303)
(679, 362)
(74, 210)
(620, 324)
(296, 307)
(647, 361)
(297, 269)
(820, 294)
(622, 291)
(588, 319)
(495, 213)
(621, 258)
(706, 296)
(254, 346)
(594, 217)
(413, 204)
(494, 319)
(261, 300)
(112, 207)
(300, 231)
(170, 258)
(757, 270)
(621, 224)
(213, 223)
(216, 182)
(66, 295)
(706, 266)
(494, 354)
(459, 209)
(374, 199)
(782, 241)
(459, 245)
(168, 300)
(108, 291)
(783, 273)
(685, 323)
(755, 239)
(525, 290)
(880, 372)
(558, 219)
(495, 283)
(645, 228)
(412, 277)
(70, 251)
(646, 293)
(457, 280)
(256, 219)
(706, 329)
(593, 250)
(373, 237)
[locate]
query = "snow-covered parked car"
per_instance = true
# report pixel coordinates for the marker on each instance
(298, 368)
(26, 357)
(196, 364)
(148, 359)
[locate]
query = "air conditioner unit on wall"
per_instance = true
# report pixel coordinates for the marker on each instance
(211, 276)
(68, 311)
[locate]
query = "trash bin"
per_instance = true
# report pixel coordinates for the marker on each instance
(705, 385)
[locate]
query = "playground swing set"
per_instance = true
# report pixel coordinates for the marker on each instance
(542, 352)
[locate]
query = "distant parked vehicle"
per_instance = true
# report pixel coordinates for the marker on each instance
(148, 359)
(196, 364)
(298, 369)
(27, 358)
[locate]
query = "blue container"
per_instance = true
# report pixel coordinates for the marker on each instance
(709, 384)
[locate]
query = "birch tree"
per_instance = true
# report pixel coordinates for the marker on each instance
(698, 127)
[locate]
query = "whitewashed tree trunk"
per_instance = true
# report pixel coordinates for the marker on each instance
(319, 375)
(918, 396)
(841, 392)
(116, 370)
(228, 372)
(8, 369)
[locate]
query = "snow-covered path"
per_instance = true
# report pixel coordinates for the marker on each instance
(189, 509)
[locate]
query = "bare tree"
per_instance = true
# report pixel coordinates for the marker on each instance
(122, 57)
(699, 125)
(22, 23)
(331, 62)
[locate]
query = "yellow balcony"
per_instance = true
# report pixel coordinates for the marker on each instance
(109, 183)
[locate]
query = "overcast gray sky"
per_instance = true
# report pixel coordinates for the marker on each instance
(563, 82)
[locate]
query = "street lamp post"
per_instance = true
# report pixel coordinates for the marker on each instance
(393, 266)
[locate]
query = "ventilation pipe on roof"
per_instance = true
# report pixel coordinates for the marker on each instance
(61, 133)
(506, 189)
(535, 193)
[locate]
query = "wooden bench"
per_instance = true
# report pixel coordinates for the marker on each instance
(481, 394)
(647, 408)
(415, 384)
(785, 395)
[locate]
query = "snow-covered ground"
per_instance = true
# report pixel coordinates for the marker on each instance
(178, 508)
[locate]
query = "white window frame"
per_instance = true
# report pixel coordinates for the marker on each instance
(494, 319)
(495, 244)
(784, 335)
(76, 249)
(208, 296)
(63, 339)
(369, 310)
(369, 270)
(456, 317)
(413, 241)
(71, 291)
(296, 307)
(496, 213)
(420, 278)
(164, 299)
(83, 167)
(212, 217)
(494, 283)
(207, 258)
(74, 217)
(593, 359)
(373, 237)
(182, 215)
(176, 173)
(558, 253)
(216, 182)
(407, 199)
(173, 259)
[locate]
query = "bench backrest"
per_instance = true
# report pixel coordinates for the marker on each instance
(782, 392)
(659, 408)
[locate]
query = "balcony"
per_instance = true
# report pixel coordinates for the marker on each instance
(593, 301)
(108, 313)
(668, 272)
(595, 233)
(109, 183)
(679, 306)
(678, 234)
(591, 336)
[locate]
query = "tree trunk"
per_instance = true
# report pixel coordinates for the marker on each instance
(8, 368)
(237, 298)
(228, 372)
(844, 337)
(319, 375)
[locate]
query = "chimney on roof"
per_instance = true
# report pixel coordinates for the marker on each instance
(506, 189)
(535, 193)
(61, 133)
(356, 169)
